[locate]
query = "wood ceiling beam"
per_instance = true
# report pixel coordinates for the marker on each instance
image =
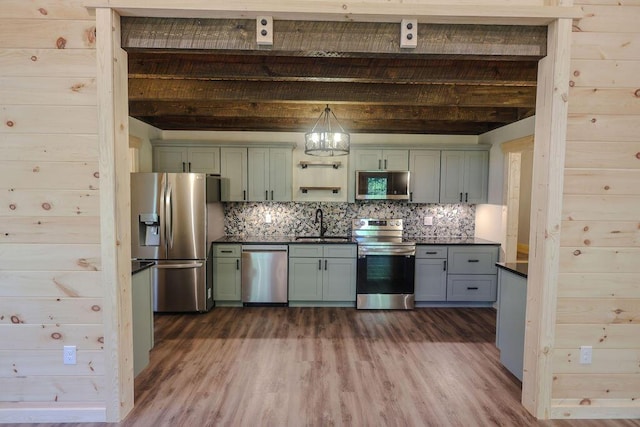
(360, 70)
(318, 38)
(287, 124)
(310, 112)
(374, 94)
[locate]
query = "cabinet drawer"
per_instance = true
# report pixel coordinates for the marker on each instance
(428, 251)
(305, 251)
(227, 251)
(340, 251)
(471, 287)
(473, 260)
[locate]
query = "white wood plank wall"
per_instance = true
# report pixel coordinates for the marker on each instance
(599, 284)
(50, 284)
(51, 288)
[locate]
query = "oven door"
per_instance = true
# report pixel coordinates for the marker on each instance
(386, 274)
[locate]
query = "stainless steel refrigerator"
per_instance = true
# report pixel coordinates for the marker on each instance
(174, 218)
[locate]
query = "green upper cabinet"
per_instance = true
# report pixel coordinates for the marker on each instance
(269, 174)
(372, 159)
(424, 179)
(233, 169)
(186, 159)
(464, 176)
(248, 174)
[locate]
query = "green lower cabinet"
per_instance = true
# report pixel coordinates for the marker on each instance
(319, 274)
(339, 279)
(305, 279)
(431, 280)
(226, 280)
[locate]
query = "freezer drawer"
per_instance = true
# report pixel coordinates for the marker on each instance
(264, 274)
(181, 286)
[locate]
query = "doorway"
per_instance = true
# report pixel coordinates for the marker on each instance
(548, 168)
(518, 167)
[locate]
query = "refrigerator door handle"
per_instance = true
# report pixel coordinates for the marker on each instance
(169, 216)
(190, 265)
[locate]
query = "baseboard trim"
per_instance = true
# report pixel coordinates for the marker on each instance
(595, 409)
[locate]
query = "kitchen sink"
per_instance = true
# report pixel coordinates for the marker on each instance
(323, 239)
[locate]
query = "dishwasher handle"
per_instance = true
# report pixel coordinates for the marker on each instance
(264, 248)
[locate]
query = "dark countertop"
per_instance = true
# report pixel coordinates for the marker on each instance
(257, 240)
(450, 241)
(268, 240)
(138, 266)
(519, 268)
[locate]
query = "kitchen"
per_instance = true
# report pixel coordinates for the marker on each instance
(65, 147)
(328, 183)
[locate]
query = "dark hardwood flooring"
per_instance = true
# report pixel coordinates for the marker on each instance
(330, 367)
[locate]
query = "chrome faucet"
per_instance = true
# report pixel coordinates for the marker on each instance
(323, 229)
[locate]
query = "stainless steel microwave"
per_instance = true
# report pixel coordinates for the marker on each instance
(382, 185)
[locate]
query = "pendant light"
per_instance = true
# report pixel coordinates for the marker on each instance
(327, 137)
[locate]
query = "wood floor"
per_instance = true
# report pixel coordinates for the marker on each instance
(330, 367)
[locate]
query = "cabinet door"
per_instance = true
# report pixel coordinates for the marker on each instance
(452, 176)
(226, 279)
(395, 160)
(339, 279)
(258, 174)
(142, 319)
(431, 280)
(280, 171)
(170, 159)
(424, 166)
(476, 178)
(204, 160)
(233, 170)
(367, 160)
(305, 279)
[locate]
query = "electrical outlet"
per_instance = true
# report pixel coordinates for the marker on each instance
(264, 30)
(585, 354)
(267, 218)
(428, 220)
(69, 355)
(409, 33)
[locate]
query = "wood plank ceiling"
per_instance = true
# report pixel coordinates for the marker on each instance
(205, 74)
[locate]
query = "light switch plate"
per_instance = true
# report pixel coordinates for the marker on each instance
(586, 352)
(428, 220)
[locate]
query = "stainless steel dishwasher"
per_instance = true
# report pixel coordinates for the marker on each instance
(264, 275)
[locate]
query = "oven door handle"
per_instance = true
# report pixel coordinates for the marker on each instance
(364, 252)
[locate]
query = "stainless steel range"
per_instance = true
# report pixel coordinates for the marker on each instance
(386, 265)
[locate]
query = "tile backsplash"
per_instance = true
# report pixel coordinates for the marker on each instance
(297, 218)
